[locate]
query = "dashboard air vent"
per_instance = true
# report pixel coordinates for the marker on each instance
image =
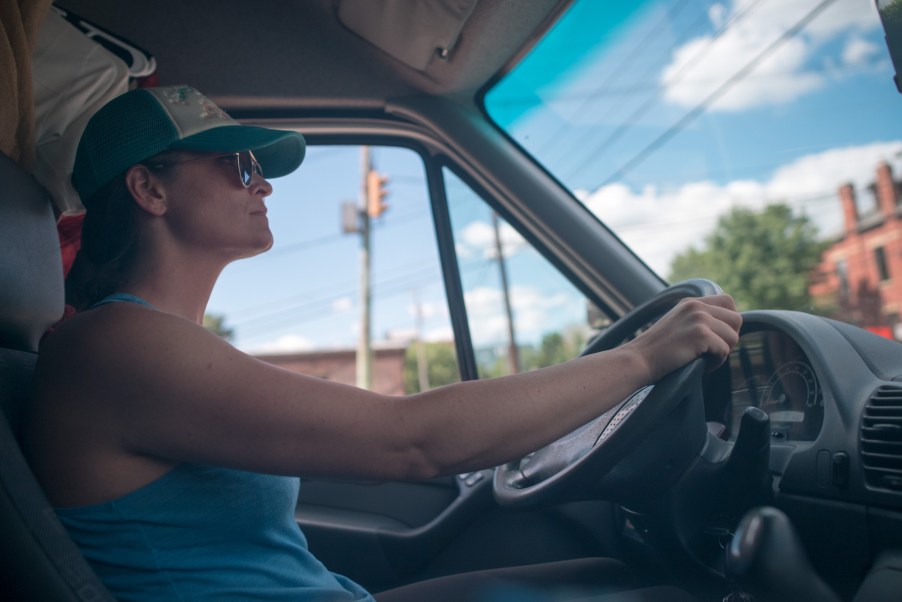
(881, 439)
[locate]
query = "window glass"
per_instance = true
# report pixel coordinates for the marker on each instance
(523, 313)
(882, 265)
(754, 142)
(300, 305)
(842, 273)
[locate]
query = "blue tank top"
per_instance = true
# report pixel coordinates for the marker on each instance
(205, 533)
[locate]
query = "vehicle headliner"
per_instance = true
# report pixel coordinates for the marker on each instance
(277, 54)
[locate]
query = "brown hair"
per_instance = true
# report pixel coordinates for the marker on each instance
(108, 242)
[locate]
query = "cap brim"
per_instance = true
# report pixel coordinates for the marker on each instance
(279, 152)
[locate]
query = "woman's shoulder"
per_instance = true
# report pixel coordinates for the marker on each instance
(116, 335)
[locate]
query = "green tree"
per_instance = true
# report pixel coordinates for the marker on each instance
(762, 258)
(441, 361)
(216, 324)
(555, 348)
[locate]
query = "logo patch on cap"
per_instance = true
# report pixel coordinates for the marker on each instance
(191, 111)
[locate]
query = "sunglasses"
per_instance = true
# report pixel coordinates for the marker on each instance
(246, 161)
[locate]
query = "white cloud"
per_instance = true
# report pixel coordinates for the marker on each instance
(429, 310)
(477, 234)
(717, 13)
(404, 335)
(478, 239)
(658, 224)
(342, 305)
(463, 251)
(439, 335)
(703, 64)
(531, 308)
(820, 175)
(858, 51)
(288, 343)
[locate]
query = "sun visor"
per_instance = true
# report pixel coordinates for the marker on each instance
(412, 32)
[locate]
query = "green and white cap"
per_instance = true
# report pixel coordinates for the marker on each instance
(143, 122)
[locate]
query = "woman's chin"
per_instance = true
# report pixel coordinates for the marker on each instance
(261, 246)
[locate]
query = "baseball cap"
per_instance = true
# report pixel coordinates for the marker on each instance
(146, 121)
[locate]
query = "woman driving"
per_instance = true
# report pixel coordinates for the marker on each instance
(173, 459)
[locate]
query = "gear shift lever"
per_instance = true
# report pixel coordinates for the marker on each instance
(766, 559)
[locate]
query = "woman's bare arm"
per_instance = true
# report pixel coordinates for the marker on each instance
(163, 387)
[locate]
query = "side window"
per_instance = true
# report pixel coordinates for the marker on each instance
(523, 313)
(303, 304)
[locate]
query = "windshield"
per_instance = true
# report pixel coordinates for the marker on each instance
(754, 142)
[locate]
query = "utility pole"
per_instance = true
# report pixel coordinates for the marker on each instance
(364, 351)
(356, 219)
(513, 353)
(422, 359)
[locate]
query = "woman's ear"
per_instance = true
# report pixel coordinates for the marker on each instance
(147, 189)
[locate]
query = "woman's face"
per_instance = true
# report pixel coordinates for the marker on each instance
(208, 206)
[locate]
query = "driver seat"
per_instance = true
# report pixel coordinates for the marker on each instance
(38, 560)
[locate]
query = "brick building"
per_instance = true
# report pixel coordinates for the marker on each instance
(341, 366)
(860, 274)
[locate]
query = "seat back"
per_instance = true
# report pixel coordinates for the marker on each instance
(38, 560)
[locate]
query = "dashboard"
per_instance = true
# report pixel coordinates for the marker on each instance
(829, 456)
(833, 396)
(770, 371)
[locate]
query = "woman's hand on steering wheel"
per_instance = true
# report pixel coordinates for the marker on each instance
(697, 327)
(692, 323)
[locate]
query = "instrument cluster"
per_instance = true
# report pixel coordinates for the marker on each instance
(769, 370)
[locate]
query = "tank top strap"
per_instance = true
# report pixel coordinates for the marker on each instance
(122, 297)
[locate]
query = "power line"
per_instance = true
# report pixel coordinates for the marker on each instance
(302, 245)
(579, 96)
(659, 89)
(345, 289)
(313, 310)
(587, 134)
(384, 287)
(646, 152)
(623, 65)
(649, 102)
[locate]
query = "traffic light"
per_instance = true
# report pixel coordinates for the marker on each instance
(375, 193)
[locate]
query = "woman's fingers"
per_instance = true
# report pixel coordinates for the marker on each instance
(718, 325)
(697, 327)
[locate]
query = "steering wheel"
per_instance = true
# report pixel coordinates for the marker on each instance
(578, 462)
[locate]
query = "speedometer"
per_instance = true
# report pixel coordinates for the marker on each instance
(794, 383)
(769, 370)
(793, 400)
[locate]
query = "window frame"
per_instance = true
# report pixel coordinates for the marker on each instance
(425, 137)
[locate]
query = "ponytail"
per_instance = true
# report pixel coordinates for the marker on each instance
(108, 242)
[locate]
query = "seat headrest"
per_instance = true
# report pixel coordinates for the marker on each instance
(32, 295)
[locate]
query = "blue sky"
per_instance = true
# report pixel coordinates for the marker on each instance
(818, 109)
(306, 285)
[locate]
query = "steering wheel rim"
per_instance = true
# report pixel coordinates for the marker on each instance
(574, 462)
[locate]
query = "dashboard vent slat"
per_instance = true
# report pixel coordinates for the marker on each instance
(881, 439)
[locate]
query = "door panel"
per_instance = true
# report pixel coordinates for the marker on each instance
(381, 534)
